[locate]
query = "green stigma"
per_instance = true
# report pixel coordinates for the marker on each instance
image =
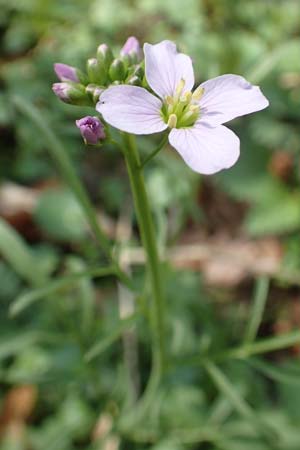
(182, 110)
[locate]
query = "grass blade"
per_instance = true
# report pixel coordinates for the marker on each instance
(259, 303)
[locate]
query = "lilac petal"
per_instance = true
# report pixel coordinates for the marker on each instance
(205, 149)
(229, 96)
(165, 67)
(131, 109)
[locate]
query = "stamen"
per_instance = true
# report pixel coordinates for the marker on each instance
(182, 109)
(180, 87)
(172, 121)
(186, 97)
(188, 118)
(170, 109)
(169, 100)
(198, 93)
(194, 108)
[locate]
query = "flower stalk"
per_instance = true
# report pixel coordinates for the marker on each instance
(147, 232)
(154, 153)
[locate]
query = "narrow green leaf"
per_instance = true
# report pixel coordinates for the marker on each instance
(28, 298)
(220, 410)
(237, 401)
(263, 346)
(259, 302)
(275, 373)
(225, 387)
(101, 346)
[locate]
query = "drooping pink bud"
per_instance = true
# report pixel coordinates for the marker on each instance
(66, 73)
(131, 47)
(62, 91)
(70, 92)
(91, 129)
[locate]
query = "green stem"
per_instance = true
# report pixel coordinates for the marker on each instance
(149, 242)
(157, 150)
(62, 160)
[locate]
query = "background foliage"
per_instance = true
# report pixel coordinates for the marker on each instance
(64, 377)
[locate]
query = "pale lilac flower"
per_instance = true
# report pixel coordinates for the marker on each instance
(195, 119)
(66, 73)
(131, 47)
(91, 129)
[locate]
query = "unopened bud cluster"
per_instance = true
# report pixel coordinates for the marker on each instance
(84, 89)
(79, 88)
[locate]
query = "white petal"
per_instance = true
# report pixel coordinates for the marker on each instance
(229, 96)
(131, 109)
(165, 68)
(205, 149)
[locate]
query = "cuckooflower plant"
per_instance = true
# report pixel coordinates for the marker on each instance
(152, 96)
(195, 118)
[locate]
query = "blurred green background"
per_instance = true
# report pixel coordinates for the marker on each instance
(58, 391)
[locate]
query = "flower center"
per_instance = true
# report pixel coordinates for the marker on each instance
(183, 109)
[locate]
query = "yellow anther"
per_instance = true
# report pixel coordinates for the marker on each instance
(172, 121)
(186, 97)
(197, 94)
(169, 100)
(194, 108)
(180, 86)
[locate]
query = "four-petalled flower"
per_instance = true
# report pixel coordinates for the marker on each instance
(195, 118)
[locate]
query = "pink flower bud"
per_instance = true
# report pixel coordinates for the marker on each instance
(70, 92)
(131, 47)
(66, 73)
(62, 91)
(91, 129)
